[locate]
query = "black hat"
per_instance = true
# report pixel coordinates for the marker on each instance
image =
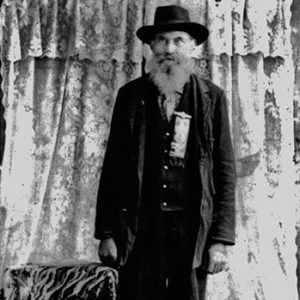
(172, 18)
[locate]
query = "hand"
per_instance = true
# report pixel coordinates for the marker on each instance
(217, 258)
(107, 251)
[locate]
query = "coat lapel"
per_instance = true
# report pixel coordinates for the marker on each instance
(205, 102)
(145, 91)
(201, 107)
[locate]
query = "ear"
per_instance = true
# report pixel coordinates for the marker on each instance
(194, 44)
(151, 44)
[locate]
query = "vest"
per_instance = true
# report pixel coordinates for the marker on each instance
(165, 187)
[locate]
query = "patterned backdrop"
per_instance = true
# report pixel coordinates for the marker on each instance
(63, 62)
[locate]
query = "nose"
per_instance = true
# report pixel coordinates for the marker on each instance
(170, 47)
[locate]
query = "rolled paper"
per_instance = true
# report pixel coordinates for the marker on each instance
(180, 136)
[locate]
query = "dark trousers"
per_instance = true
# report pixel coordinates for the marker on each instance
(160, 265)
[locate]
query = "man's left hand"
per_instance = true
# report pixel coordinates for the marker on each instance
(217, 258)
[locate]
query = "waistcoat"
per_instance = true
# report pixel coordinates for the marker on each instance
(165, 187)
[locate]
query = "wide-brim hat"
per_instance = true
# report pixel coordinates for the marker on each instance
(172, 18)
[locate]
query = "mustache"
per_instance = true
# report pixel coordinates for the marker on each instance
(170, 58)
(170, 64)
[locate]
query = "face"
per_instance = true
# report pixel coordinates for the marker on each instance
(166, 44)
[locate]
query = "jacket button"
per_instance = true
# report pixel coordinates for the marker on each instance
(165, 204)
(203, 207)
(166, 167)
(164, 186)
(202, 160)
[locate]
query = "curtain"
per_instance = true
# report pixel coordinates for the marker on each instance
(60, 76)
(295, 38)
(63, 62)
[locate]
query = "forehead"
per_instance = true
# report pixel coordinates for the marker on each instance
(173, 35)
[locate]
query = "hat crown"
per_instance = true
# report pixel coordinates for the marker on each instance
(172, 18)
(171, 14)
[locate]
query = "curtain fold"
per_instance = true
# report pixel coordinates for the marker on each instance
(62, 64)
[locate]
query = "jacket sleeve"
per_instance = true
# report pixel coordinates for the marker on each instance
(114, 164)
(224, 175)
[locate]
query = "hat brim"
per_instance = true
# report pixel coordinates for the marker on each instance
(196, 30)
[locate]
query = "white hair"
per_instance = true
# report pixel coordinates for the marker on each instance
(170, 74)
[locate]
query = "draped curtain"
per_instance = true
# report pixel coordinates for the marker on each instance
(62, 64)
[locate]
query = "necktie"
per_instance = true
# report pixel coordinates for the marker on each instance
(168, 105)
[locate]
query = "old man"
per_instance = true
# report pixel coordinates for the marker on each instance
(166, 204)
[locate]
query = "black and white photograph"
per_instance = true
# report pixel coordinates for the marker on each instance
(150, 149)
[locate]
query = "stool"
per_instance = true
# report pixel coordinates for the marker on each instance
(77, 281)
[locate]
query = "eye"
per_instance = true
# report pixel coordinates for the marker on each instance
(160, 39)
(178, 40)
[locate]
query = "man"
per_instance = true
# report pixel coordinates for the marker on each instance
(165, 211)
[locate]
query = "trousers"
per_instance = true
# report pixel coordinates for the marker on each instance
(159, 267)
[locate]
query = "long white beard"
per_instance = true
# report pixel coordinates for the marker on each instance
(170, 75)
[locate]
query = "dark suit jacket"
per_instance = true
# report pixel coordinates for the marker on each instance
(121, 180)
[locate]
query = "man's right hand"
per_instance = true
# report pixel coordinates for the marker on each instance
(107, 251)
